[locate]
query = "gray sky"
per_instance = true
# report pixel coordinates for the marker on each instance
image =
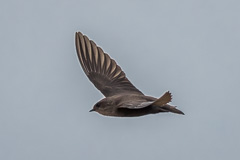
(190, 48)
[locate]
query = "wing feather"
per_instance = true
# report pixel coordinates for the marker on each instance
(101, 70)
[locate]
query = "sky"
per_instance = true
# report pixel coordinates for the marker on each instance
(189, 47)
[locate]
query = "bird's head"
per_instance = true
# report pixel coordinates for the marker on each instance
(104, 107)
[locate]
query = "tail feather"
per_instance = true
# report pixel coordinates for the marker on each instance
(166, 98)
(162, 105)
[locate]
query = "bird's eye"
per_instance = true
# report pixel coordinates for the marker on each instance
(97, 105)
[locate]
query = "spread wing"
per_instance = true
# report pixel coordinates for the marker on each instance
(101, 70)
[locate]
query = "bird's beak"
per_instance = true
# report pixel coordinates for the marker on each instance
(92, 110)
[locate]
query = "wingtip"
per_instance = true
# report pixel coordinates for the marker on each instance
(78, 34)
(175, 110)
(181, 113)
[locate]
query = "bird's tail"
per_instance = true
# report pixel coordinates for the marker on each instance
(163, 106)
(164, 99)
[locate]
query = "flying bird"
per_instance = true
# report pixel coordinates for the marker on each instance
(122, 98)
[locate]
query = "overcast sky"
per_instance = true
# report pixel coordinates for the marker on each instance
(189, 47)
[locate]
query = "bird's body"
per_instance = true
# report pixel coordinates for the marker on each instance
(123, 99)
(119, 105)
(132, 105)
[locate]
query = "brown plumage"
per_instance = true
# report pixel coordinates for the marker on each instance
(122, 98)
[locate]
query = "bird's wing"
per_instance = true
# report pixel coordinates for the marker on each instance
(163, 100)
(135, 105)
(102, 71)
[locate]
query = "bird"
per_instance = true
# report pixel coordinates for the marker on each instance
(122, 98)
